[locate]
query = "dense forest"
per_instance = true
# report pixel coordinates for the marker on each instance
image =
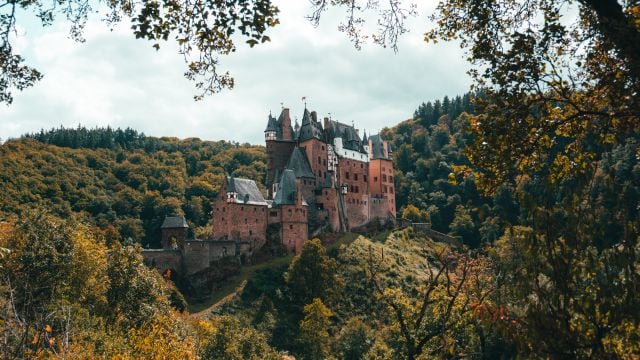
(77, 287)
(120, 180)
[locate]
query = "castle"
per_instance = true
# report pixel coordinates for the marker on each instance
(320, 176)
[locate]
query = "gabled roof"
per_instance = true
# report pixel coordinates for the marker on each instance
(299, 163)
(173, 222)
(247, 191)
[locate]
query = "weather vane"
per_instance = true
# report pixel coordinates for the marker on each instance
(304, 100)
(282, 105)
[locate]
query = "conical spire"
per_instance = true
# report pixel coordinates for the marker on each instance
(271, 124)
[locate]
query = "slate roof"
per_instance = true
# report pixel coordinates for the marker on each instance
(299, 163)
(310, 128)
(377, 147)
(247, 190)
(173, 222)
(349, 135)
(286, 194)
(271, 124)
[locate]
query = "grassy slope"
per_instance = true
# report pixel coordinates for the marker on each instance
(403, 265)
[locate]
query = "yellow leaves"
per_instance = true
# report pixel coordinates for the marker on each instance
(47, 328)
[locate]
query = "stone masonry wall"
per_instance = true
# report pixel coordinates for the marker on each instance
(294, 227)
(354, 174)
(163, 259)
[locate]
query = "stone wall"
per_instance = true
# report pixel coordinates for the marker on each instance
(163, 259)
(381, 181)
(327, 201)
(316, 152)
(180, 235)
(294, 227)
(195, 256)
(378, 208)
(240, 221)
(354, 175)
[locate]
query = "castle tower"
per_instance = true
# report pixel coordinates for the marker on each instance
(311, 140)
(279, 142)
(293, 212)
(174, 232)
(381, 183)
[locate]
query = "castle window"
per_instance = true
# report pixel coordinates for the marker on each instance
(390, 178)
(256, 221)
(255, 209)
(241, 208)
(322, 147)
(361, 166)
(290, 212)
(223, 209)
(290, 227)
(384, 177)
(355, 177)
(250, 232)
(347, 175)
(324, 162)
(365, 178)
(357, 189)
(375, 179)
(384, 188)
(273, 213)
(319, 160)
(390, 189)
(245, 220)
(222, 219)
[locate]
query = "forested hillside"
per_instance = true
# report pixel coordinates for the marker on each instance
(120, 180)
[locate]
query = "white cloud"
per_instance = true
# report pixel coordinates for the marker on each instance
(113, 79)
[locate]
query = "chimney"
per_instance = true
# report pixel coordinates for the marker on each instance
(326, 123)
(286, 125)
(314, 116)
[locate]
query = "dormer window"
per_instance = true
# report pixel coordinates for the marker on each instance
(232, 196)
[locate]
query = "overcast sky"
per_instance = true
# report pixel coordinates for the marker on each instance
(113, 79)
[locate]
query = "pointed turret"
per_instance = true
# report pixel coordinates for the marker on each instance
(310, 128)
(270, 133)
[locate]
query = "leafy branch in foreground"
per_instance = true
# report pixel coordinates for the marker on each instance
(203, 30)
(443, 307)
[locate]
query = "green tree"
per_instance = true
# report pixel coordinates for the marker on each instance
(463, 226)
(312, 275)
(354, 340)
(314, 328)
(227, 339)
